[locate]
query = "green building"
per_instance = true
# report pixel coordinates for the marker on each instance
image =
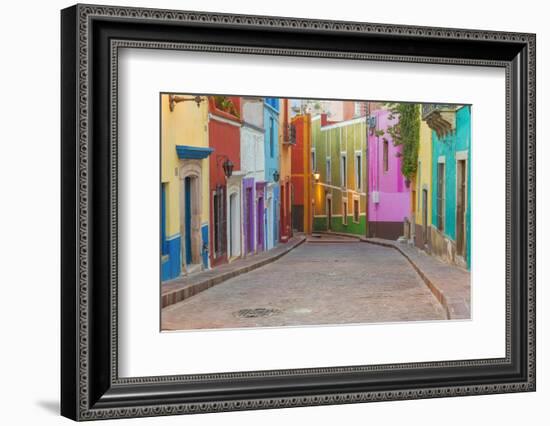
(338, 154)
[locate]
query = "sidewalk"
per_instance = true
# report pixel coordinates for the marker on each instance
(449, 284)
(182, 288)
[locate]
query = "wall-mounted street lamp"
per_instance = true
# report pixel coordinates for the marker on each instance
(276, 176)
(227, 165)
(316, 176)
(174, 99)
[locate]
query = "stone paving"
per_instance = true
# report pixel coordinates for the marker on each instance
(340, 282)
(189, 285)
(450, 284)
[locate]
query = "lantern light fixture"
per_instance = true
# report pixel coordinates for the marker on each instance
(174, 99)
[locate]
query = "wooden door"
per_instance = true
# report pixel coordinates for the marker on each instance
(188, 213)
(424, 217)
(329, 214)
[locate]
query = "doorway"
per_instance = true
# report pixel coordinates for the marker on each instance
(424, 217)
(329, 214)
(234, 225)
(190, 223)
(461, 207)
(260, 224)
(187, 225)
(269, 224)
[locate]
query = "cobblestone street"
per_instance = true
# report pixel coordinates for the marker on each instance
(338, 282)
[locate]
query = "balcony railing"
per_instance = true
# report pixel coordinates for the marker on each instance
(289, 134)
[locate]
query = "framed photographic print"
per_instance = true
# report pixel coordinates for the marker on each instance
(263, 212)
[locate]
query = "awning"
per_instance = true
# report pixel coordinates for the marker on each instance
(186, 152)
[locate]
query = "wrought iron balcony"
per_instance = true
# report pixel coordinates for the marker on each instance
(289, 134)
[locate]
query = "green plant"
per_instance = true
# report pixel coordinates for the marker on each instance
(225, 104)
(406, 132)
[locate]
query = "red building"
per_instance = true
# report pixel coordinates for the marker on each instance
(224, 137)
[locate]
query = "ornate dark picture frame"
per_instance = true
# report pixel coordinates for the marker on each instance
(91, 36)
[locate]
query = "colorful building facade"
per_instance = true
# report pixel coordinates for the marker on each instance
(421, 191)
(451, 188)
(339, 156)
(238, 175)
(184, 196)
(252, 150)
(302, 170)
(389, 192)
(286, 146)
(224, 129)
(272, 173)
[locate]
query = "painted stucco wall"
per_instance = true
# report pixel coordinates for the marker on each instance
(331, 142)
(301, 173)
(271, 138)
(252, 112)
(447, 148)
(225, 139)
(271, 155)
(185, 125)
(394, 196)
(285, 158)
(423, 178)
(252, 153)
(285, 149)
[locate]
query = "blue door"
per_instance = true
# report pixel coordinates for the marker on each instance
(187, 191)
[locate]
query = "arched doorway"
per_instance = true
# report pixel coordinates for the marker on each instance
(234, 224)
(190, 216)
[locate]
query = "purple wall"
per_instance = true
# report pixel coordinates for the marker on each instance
(248, 214)
(394, 196)
(260, 215)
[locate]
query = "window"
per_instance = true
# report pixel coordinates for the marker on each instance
(343, 171)
(271, 137)
(163, 219)
(358, 109)
(385, 155)
(419, 180)
(313, 163)
(356, 210)
(329, 171)
(358, 171)
(345, 212)
(441, 196)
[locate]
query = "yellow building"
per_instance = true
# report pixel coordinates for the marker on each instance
(184, 185)
(302, 202)
(421, 189)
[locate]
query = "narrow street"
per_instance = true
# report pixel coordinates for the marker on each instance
(338, 282)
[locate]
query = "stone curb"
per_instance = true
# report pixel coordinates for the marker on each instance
(436, 291)
(185, 292)
(338, 234)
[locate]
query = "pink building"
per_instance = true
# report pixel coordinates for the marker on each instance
(389, 193)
